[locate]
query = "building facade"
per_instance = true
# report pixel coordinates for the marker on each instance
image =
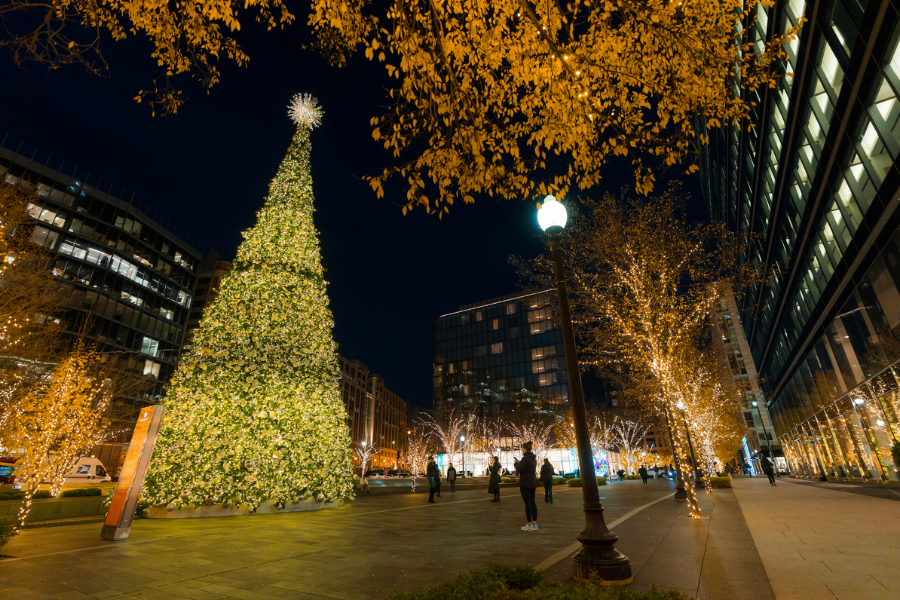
(495, 356)
(814, 179)
(212, 269)
(117, 267)
(388, 423)
(735, 352)
(376, 416)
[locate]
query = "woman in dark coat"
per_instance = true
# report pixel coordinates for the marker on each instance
(494, 484)
(527, 469)
(434, 478)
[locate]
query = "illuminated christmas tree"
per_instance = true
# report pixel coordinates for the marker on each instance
(254, 412)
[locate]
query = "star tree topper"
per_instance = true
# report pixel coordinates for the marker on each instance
(305, 111)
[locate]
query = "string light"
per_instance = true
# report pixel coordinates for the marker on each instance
(254, 412)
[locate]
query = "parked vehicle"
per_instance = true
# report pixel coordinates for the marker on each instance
(7, 470)
(375, 473)
(397, 473)
(87, 468)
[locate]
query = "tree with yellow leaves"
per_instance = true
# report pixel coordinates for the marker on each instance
(52, 418)
(517, 98)
(186, 38)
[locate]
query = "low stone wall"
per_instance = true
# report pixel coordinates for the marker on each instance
(56, 508)
(217, 510)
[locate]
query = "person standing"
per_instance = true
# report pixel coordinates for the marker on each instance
(434, 478)
(494, 483)
(451, 477)
(643, 473)
(547, 474)
(767, 469)
(527, 470)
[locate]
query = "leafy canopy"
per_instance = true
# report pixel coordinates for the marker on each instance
(519, 98)
(185, 37)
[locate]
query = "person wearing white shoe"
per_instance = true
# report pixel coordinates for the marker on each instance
(527, 470)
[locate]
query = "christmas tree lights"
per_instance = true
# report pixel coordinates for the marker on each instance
(254, 411)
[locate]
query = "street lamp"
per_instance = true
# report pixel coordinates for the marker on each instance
(598, 553)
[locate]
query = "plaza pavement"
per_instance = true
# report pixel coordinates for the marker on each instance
(819, 542)
(382, 544)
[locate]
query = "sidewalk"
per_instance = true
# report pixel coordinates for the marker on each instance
(713, 558)
(819, 543)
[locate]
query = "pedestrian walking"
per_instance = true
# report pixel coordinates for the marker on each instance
(621, 474)
(434, 479)
(643, 473)
(527, 470)
(768, 470)
(547, 474)
(451, 477)
(494, 483)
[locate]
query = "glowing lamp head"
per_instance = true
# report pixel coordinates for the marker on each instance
(858, 401)
(364, 444)
(880, 423)
(552, 214)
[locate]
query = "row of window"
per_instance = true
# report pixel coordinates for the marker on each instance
(118, 312)
(496, 311)
(95, 210)
(108, 236)
(874, 144)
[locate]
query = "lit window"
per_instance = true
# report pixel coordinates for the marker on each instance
(151, 369)
(497, 348)
(150, 347)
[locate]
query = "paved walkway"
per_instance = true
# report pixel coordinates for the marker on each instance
(370, 548)
(758, 542)
(819, 543)
(712, 558)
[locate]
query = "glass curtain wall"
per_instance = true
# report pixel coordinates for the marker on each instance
(839, 415)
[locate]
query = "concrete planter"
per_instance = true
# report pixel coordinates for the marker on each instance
(55, 508)
(217, 510)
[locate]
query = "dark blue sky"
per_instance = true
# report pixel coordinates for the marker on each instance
(207, 170)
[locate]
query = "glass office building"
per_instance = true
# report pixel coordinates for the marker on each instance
(117, 267)
(495, 356)
(816, 181)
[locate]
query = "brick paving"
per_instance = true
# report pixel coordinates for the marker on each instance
(819, 544)
(382, 544)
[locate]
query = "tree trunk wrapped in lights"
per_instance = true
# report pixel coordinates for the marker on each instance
(536, 428)
(254, 411)
(55, 418)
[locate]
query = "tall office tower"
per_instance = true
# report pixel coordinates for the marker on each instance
(117, 267)
(815, 180)
(734, 351)
(500, 354)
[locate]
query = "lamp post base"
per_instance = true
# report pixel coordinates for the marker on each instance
(598, 555)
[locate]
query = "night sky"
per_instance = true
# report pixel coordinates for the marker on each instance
(207, 170)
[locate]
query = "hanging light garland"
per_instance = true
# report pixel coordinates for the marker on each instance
(254, 411)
